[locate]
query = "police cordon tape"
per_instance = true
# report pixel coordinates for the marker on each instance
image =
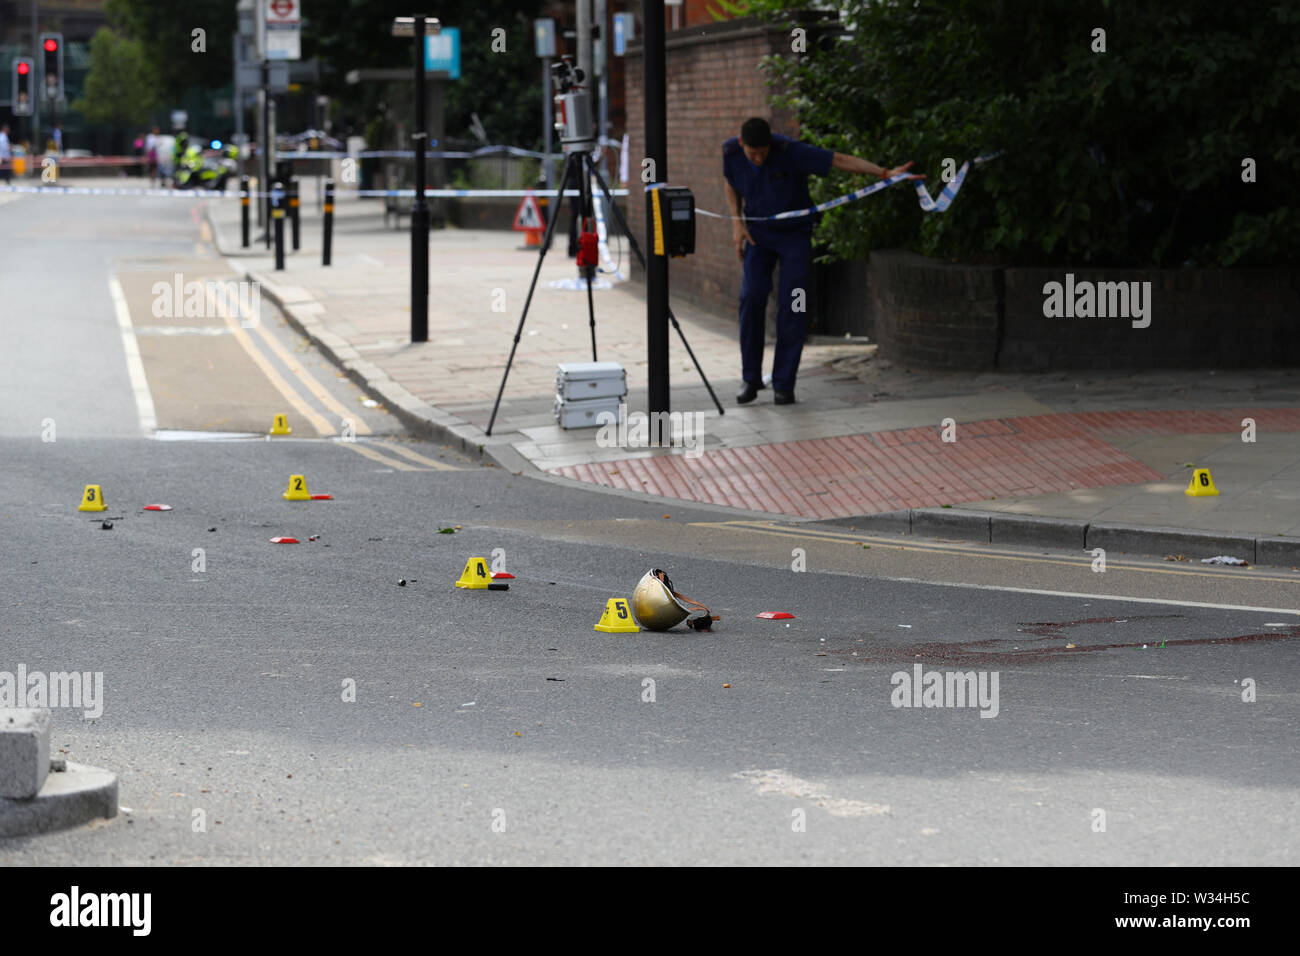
(236, 194)
(928, 203)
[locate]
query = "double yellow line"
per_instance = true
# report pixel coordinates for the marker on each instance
(235, 317)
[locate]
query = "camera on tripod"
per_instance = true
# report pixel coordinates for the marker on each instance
(572, 107)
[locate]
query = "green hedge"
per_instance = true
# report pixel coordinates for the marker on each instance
(1131, 157)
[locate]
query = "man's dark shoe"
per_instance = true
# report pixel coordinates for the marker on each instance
(783, 398)
(747, 394)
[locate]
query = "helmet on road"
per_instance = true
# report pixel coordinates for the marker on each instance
(656, 606)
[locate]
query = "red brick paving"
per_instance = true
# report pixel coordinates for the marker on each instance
(914, 468)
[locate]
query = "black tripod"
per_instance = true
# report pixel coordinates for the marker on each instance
(576, 164)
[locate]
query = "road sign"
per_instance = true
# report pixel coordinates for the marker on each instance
(284, 13)
(544, 36)
(442, 52)
(283, 44)
(283, 30)
(248, 76)
(528, 216)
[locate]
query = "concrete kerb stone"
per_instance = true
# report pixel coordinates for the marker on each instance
(1276, 550)
(952, 523)
(24, 751)
(1072, 534)
(417, 415)
(76, 795)
(34, 800)
(1067, 533)
(1194, 544)
(890, 522)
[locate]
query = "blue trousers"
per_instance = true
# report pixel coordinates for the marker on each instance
(794, 252)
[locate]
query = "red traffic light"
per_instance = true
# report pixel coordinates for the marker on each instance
(51, 45)
(23, 68)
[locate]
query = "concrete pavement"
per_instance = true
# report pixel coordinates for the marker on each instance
(1108, 453)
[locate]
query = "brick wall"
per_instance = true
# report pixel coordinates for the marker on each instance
(932, 314)
(714, 85)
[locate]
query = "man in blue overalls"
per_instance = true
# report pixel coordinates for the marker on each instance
(770, 174)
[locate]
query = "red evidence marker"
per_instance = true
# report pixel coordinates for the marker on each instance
(502, 574)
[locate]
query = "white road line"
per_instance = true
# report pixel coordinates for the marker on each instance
(1095, 597)
(134, 367)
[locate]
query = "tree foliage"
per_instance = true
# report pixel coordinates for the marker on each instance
(1128, 157)
(165, 31)
(502, 87)
(120, 88)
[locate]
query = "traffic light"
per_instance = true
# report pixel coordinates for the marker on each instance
(52, 57)
(24, 77)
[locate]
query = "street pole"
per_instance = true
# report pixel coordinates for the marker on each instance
(606, 51)
(548, 125)
(656, 150)
(584, 40)
(264, 180)
(38, 95)
(420, 209)
(268, 108)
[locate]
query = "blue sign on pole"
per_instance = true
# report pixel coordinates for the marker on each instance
(624, 30)
(442, 52)
(544, 37)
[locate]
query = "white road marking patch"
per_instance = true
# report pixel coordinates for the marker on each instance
(182, 330)
(182, 435)
(784, 784)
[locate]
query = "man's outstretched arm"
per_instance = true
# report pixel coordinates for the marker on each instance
(851, 164)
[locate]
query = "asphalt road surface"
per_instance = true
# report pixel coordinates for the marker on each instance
(292, 704)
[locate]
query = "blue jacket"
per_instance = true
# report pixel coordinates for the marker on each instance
(780, 184)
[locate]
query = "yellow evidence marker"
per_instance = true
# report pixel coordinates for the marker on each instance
(280, 425)
(1201, 485)
(477, 577)
(617, 618)
(92, 499)
(297, 490)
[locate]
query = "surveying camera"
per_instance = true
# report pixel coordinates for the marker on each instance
(572, 107)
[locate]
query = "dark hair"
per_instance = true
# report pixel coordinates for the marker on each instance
(755, 133)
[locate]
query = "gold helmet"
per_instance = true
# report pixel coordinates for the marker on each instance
(656, 606)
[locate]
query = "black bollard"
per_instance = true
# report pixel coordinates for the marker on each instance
(243, 211)
(293, 209)
(277, 218)
(327, 239)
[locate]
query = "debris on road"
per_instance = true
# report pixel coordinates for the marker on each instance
(774, 615)
(157, 507)
(1225, 559)
(284, 541)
